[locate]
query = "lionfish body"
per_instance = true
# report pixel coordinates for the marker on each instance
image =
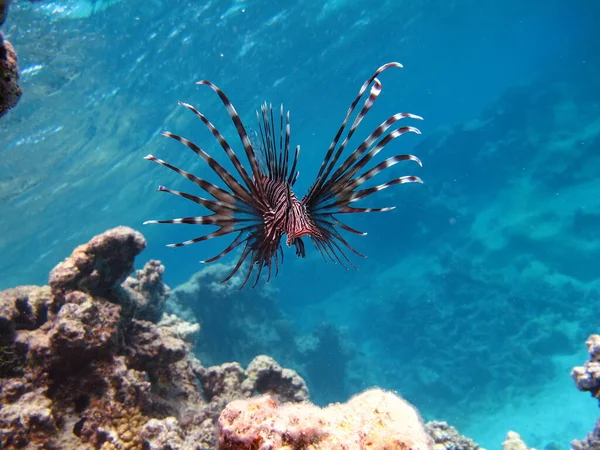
(260, 207)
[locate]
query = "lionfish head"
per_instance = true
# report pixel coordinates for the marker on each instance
(259, 207)
(311, 230)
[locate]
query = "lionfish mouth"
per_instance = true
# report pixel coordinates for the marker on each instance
(259, 206)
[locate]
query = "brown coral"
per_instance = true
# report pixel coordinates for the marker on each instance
(264, 375)
(3, 10)
(10, 92)
(587, 377)
(84, 329)
(79, 368)
(152, 347)
(446, 437)
(146, 291)
(100, 266)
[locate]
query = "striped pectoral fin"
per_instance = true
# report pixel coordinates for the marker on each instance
(381, 167)
(215, 206)
(343, 226)
(333, 233)
(227, 229)
(217, 192)
(237, 121)
(260, 268)
(330, 249)
(348, 186)
(319, 181)
(293, 174)
(211, 219)
(366, 192)
(236, 242)
(374, 93)
(229, 180)
(353, 169)
(349, 210)
(370, 140)
(245, 252)
(342, 179)
(224, 144)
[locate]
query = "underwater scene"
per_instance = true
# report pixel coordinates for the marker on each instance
(336, 224)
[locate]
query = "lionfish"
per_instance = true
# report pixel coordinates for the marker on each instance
(260, 207)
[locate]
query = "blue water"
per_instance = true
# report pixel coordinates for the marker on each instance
(478, 290)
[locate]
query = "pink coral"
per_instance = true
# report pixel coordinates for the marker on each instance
(375, 419)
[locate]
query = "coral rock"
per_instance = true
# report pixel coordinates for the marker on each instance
(22, 421)
(514, 442)
(179, 328)
(84, 329)
(3, 10)
(375, 419)
(446, 437)
(116, 416)
(24, 308)
(151, 346)
(264, 375)
(593, 346)
(146, 291)
(587, 377)
(591, 442)
(224, 381)
(100, 266)
(10, 92)
(161, 434)
(82, 367)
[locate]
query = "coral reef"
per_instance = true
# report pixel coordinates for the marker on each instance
(590, 442)
(514, 442)
(10, 91)
(91, 361)
(100, 266)
(179, 328)
(236, 326)
(265, 375)
(587, 379)
(374, 419)
(446, 437)
(4, 4)
(151, 291)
